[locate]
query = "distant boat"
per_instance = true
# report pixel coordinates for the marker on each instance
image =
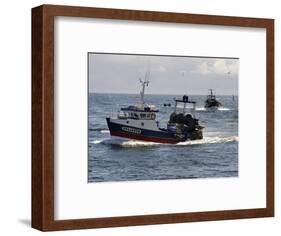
(138, 122)
(211, 100)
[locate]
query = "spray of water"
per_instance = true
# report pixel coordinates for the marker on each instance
(135, 143)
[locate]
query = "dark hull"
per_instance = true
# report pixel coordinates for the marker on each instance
(161, 136)
(212, 103)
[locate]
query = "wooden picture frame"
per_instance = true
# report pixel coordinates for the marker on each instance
(43, 117)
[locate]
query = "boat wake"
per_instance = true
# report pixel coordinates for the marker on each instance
(212, 109)
(224, 109)
(101, 130)
(210, 140)
(105, 131)
(135, 143)
(124, 143)
(201, 109)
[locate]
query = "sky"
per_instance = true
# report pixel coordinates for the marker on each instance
(120, 73)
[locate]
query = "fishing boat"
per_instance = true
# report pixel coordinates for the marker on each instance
(138, 122)
(211, 101)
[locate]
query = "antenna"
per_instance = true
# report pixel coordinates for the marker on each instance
(144, 83)
(147, 74)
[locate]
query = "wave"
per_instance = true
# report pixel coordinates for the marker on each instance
(210, 140)
(105, 131)
(135, 143)
(124, 143)
(213, 109)
(224, 109)
(200, 109)
(101, 130)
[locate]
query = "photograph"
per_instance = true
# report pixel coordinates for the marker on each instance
(169, 114)
(161, 117)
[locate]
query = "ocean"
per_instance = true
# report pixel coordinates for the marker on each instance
(111, 159)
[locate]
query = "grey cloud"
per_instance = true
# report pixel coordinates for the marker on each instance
(114, 73)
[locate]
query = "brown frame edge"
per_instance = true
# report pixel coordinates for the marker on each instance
(43, 117)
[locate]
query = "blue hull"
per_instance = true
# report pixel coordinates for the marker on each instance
(161, 136)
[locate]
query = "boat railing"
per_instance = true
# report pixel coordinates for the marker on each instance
(211, 96)
(185, 101)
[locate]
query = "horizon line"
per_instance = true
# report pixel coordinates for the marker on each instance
(217, 94)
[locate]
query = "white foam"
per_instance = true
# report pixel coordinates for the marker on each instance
(200, 109)
(136, 143)
(97, 141)
(127, 143)
(213, 108)
(224, 109)
(105, 131)
(210, 140)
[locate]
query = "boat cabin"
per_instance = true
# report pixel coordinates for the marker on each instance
(185, 101)
(137, 113)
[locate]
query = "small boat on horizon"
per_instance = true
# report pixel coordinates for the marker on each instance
(211, 101)
(138, 122)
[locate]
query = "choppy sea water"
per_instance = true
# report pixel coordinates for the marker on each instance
(111, 159)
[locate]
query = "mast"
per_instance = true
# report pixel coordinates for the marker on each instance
(211, 95)
(211, 91)
(144, 83)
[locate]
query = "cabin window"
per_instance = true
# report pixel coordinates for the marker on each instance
(134, 115)
(142, 123)
(127, 122)
(142, 115)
